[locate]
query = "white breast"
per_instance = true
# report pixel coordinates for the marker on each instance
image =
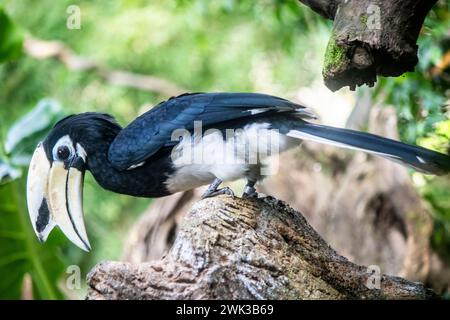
(201, 158)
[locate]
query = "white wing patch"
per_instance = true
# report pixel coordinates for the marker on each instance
(421, 160)
(258, 110)
(137, 165)
(301, 112)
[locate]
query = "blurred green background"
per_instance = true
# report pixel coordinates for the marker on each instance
(199, 45)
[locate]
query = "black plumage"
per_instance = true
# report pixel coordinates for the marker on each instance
(152, 130)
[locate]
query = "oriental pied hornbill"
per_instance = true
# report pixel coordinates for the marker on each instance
(148, 157)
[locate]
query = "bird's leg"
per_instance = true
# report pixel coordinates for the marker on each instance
(212, 190)
(249, 190)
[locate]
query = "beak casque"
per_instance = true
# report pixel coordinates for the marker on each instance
(55, 197)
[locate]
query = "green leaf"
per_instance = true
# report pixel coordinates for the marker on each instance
(20, 252)
(8, 173)
(11, 38)
(23, 135)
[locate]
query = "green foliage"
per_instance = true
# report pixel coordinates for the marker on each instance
(420, 97)
(20, 252)
(439, 140)
(437, 190)
(7, 172)
(11, 38)
(22, 136)
(437, 193)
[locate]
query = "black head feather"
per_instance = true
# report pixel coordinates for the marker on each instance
(87, 129)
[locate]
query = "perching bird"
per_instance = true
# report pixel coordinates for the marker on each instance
(163, 151)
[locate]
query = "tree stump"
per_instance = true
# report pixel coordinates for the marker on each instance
(232, 248)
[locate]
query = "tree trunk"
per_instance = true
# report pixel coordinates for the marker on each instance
(232, 248)
(370, 38)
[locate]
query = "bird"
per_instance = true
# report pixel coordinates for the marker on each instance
(187, 141)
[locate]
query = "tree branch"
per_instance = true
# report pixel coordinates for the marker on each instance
(370, 38)
(326, 8)
(40, 49)
(246, 249)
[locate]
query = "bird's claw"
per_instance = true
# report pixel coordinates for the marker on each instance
(225, 190)
(249, 192)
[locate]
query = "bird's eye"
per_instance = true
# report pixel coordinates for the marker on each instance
(63, 153)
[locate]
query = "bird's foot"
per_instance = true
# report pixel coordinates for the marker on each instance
(217, 192)
(249, 192)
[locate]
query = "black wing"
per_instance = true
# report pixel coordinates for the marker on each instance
(152, 131)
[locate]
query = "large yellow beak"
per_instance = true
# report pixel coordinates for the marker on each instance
(55, 197)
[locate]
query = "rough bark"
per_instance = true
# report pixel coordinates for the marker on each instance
(370, 38)
(230, 248)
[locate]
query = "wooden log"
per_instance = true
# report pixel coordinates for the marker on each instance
(232, 248)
